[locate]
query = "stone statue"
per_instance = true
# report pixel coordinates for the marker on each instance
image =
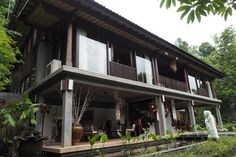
(210, 125)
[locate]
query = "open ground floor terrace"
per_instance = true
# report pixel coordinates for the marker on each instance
(115, 105)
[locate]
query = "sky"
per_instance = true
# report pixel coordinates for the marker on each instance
(166, 23)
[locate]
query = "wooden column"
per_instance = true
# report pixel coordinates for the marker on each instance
(77, 46)
(119, 110)
(218, 116)
(108, 56)
(69, 44)
(157, 71)
(191, 114)
(213, 88)
(186, 81)
(209, 90)
(161, 114)
(154, 70)
(173, 109)
(66, 130)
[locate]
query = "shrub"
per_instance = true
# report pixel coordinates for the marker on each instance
(230, 126)
(221, 148)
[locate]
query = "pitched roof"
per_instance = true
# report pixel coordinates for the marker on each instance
(97, 14)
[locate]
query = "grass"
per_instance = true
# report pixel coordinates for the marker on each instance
(224, 147)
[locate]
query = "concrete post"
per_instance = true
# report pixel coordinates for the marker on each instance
(191, 114)
(66, 135)
(162, 118)
(218, 116)
(39, 116)
(66, 130)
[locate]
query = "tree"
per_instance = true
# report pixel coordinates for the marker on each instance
(8, 49)
(193, 50)
(224, 59)
(205, 49)
(198, 8)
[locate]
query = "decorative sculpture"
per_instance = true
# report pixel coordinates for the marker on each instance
(211, 125)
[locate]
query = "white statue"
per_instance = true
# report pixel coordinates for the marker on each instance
(210, 125)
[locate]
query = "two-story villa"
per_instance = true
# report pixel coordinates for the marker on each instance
(134, 75)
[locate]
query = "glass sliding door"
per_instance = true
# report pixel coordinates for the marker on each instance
(144, 69)
(92, 54)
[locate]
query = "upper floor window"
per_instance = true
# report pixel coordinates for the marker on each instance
(144, 69)
(121, 54)
(192, 84)
(92, 54)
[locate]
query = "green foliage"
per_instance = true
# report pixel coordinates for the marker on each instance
(195, 9)
(199, 128)
(92, 139)
(222, 56)
(224, 59)
(220, 148)
(103, 138)
(193, 50)
(230, 126)
(8, 48)
(206, 49)
(16, 119)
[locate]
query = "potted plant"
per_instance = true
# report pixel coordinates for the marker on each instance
(80, 104)
(17, 121)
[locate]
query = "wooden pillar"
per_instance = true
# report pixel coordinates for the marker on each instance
(209, 90)
(157, 71)
(77, 43)
(120, 113)
(186, 81)
(161, 110)
(154, 70)
(108, 56)
(213, 88)
(173, 109)
(66, 132)
(191, 114)
(69, 44)
(218, 116)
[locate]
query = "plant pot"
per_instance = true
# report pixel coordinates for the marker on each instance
(30, 149)
(30, 145)
(77, 133)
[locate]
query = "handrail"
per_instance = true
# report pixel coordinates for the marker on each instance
(172, 83)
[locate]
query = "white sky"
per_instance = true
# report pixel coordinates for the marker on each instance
(166, 23)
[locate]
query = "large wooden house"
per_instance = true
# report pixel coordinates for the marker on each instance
(133, 74)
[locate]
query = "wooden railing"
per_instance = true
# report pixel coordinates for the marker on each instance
(202, 91)
(172, 83)
(122, 71)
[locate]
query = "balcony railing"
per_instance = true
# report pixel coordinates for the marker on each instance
(172, 83)
(122, 71)
(202, 91)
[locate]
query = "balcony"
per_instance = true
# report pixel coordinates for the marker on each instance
(203, 92)
(122, 71)
(171, 83)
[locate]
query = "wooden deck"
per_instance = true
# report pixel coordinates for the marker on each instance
(85, 146)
